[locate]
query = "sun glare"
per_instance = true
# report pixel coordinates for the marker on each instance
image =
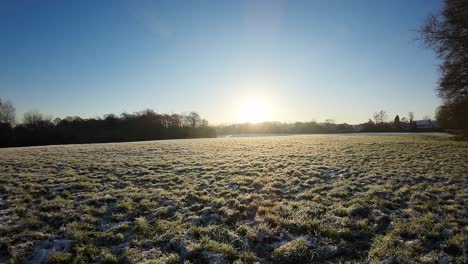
(255, 109)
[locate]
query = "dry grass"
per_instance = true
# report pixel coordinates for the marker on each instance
(245, 200)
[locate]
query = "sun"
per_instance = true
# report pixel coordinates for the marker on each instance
(254, 109)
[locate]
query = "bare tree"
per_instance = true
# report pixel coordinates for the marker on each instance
(380, 117)
(411, 117)
(376, 117)
(7, 112)
(204, 123)
(175, 120)
(383, 116)
(34, 118)
(193, 119)
(447, 34)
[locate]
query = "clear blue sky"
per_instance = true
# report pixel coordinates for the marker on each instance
(309, 60)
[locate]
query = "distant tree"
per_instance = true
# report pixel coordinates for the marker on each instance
(368, 127)
(35, 119)
(56, 121)
(411, 120)
(380, 117)
(204, 123)
(447, 34)
(376, 117)
(7, 112)
(329, 125)
(175, 121)
(383, 116)
(77, 119)
(193, 120)
(110, 119)
(396, 122)
(427, 117)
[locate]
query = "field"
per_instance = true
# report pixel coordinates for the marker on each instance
(292, 199)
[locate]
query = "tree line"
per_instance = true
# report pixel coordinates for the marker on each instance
(378, 123)
(311, 127)
(40, 129)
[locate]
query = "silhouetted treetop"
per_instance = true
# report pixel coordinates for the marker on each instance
(447, 34)
(38, 129)
(7, 112)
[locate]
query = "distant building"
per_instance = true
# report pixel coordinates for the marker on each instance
(425, 124)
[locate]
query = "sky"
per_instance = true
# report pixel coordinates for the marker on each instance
(287, 60)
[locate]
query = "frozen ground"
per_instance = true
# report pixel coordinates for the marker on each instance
(441, 134)
(294, 199)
